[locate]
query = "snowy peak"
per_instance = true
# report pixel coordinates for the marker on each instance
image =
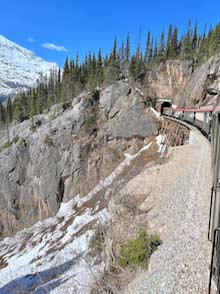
(19, 67)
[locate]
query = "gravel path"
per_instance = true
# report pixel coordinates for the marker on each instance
(181, 265)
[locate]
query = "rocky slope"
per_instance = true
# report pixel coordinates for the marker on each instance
(185, 83)
(178, 208)
(71, 149)
(64, 177)
(204, 84)
(19, 67)
(55, 256)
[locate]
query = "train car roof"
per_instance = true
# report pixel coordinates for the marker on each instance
(201, 109)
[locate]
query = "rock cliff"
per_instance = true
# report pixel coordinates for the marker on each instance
(186, 83)
(68, 150)
(169, 80)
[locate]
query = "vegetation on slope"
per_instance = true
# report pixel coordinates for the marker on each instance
(136, 253)
(99, 71)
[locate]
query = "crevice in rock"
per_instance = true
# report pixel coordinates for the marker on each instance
(61, 188)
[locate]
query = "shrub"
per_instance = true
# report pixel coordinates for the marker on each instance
(47, 140)
(97, 241)
(136, 253)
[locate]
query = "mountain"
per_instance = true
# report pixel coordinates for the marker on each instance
(19, 67)
(64, 178)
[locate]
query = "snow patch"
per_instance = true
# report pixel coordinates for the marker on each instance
(54, 253)
(108, 181)
(161, 143)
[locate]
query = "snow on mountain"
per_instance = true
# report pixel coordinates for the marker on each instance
(19, 68)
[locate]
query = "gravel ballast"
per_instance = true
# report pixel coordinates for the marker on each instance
(181, 264)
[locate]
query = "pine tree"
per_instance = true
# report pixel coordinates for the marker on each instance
(169, 41)
(147, 50)
(161, 52)
(66, 86)
(9, 114)
(187, 47)
(151, 51)
(122, 54)
(155, 50)
(58, 86)
(66, 67)
(137, 67)
(99, 70)
(195, 38)
(138, 50)
(2, 115)
(215, 40)
(112, 71)
(173, 51)
(114, 51)
(127, 48)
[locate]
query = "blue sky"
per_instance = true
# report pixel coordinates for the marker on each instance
(90, 25)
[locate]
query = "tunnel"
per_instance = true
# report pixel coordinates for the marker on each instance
(164, 105)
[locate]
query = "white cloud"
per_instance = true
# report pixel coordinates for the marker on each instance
(51, 46)
(31, 40)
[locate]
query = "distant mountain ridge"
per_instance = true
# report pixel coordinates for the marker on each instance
(19, 67)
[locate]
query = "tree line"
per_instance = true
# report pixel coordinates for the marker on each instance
(97, 70)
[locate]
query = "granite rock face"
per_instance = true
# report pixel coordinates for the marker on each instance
(70, 151)
(169, 80)
(204, 84)
(185, 83)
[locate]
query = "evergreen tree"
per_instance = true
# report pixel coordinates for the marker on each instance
(137, 67)
(169, 41)
(138, 50)
(2, 115)
(99, 70)
(112, 71)
(195, 38)
(9, 114)
(155, 50)
(151, 51)
(187, 47)
(66, 67)
(173, 50)
(215, 40)
(147, 50)
(161, 52)
(127, 49)
(95, 70)
(66, 86)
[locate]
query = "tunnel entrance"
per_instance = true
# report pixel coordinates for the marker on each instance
(164, 105)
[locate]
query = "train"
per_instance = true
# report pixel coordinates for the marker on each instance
(207, 120)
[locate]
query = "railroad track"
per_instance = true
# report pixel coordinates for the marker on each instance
(206, 120)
